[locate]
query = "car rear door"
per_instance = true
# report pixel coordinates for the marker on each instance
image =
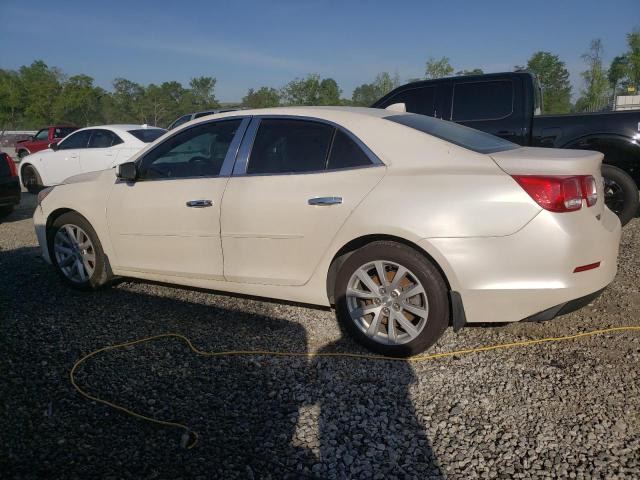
(295, 182)
(168, 221)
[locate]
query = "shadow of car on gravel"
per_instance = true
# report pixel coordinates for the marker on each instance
(257, 416)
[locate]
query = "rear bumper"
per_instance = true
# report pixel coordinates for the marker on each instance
(519, 276)
(9, 191)
(564, 308)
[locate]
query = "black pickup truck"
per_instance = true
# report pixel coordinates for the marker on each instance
(509, 105)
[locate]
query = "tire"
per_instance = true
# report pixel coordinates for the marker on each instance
(373, 329)
(71, 231)
(31, 179)
(5, 211)
(621, 193)
(22, 154)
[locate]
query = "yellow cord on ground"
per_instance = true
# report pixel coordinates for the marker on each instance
(193, 436)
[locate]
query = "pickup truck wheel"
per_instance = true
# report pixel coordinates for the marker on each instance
(31, 180)
(620, 193)
(22, 154)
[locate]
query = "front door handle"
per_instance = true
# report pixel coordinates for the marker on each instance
(325, 201)
(200, 203)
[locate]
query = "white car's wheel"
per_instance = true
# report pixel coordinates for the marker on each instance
(31, 179)
(392, 299)
(76, 252)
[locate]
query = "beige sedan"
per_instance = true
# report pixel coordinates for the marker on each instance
(406, 223)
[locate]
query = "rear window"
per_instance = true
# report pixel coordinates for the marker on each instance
(482, 100)
(466, 137)
(147, 135)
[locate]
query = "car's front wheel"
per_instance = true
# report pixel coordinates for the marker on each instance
(31, 180)
(76, 252)
(391, 299)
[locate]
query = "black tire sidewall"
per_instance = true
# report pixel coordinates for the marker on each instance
(100, 276)
(423, 269)
(34, 188)
(629, 191)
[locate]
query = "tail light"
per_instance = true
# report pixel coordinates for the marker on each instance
(560, 193)
(12, 165)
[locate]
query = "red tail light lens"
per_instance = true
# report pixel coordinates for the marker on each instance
(560, 193)
(12, 165)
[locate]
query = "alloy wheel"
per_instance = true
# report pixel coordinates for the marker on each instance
(387, 302)
(75, 253)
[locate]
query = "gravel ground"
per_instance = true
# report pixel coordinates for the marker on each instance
(562, 410)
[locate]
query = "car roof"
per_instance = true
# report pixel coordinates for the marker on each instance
(121, 127)
(328, 112)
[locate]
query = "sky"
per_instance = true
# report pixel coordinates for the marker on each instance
(249, 44)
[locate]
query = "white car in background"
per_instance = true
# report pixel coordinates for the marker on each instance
(406, 223)
(85, 150)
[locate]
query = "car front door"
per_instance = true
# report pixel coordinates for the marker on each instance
(167, 222)
(295, 183)
(65, 161)
(101, 151)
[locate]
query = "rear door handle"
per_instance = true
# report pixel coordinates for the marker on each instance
(325, 201)
(200, 203)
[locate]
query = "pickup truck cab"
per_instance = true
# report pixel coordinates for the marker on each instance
(509, 105)
(42, 139)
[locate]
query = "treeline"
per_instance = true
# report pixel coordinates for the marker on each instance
(37, 95)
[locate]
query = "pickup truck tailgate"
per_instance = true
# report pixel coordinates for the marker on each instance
(552, 161)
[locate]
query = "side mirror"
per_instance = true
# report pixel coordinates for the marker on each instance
(53, 146)
(127, 172)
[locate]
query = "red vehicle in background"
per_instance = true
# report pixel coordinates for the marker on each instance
(42, 139)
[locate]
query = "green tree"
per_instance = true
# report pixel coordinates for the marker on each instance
(79, 102)
(41, 86)
(264, 97)
(618, 72)
(475, 71)
(124, 104)
(367, 93)
(311, 90)
(438, 68)
(633, 58)
(595, 94)
(553, 76)
(11, 99)
(201, 93)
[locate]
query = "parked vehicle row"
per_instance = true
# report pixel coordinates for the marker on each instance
(85, 150)
(406, 223)
(509, 105)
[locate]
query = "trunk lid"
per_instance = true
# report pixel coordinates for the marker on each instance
(556, 162)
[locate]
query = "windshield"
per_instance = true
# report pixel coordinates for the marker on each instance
(462, 136)
(147, 135)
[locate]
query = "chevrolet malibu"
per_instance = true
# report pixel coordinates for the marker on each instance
(405, 223)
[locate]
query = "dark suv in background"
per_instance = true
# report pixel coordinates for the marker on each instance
(509, 105)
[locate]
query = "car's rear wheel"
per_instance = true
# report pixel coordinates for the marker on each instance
(620, 193)
(392, 299)
(76, 252)
(31, 179)
(22, 154)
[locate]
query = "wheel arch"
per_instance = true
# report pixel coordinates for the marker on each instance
(343, 253)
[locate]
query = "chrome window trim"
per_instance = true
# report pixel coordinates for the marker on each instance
(240, 168)
(229, 159)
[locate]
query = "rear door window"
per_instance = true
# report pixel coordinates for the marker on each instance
(487, 100)
(289, 146)
(103, 139)
(345, 153)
